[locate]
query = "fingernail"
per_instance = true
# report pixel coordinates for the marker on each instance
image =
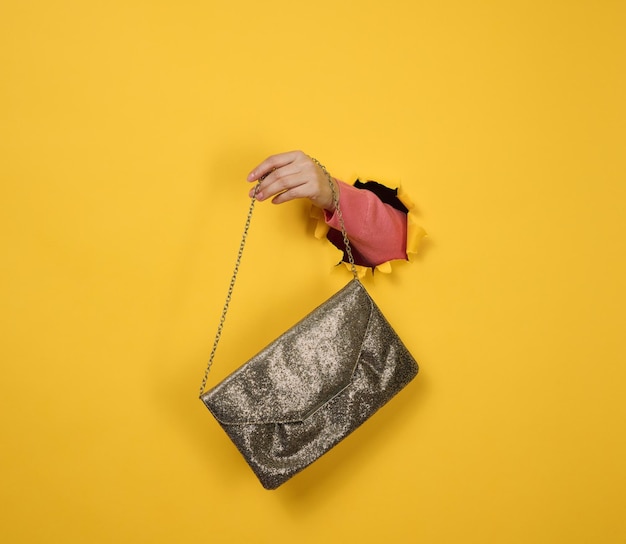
(251, 176)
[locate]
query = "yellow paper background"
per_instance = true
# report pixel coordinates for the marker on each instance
(126, 132)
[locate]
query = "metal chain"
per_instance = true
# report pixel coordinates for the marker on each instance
(346, 242)
(230, 289)
(240, 253)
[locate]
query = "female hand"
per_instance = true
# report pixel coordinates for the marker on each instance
(292, 175)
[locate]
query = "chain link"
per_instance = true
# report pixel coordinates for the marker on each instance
(240, 253)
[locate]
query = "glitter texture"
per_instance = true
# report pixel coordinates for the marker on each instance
(312, 386)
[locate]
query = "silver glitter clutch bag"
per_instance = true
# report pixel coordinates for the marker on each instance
(313, 385)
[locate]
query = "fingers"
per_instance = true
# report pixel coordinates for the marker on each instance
(279, 180)
(274, 162)
(298, 185)
(291, 194)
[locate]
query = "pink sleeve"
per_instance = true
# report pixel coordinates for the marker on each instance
(376, 230)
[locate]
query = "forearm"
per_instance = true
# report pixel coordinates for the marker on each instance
(375, 229)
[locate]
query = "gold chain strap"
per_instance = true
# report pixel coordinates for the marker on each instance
(230, 289)
(240, 253)
(346, 242)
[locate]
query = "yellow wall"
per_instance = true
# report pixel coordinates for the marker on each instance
(126, 131)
